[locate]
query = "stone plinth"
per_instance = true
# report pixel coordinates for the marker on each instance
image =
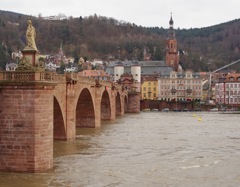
(31, 55)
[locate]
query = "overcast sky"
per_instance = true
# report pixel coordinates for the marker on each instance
(149, 13)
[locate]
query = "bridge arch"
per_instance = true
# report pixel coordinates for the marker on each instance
(85, 112)
(125, 104)
(118, 105)
(105, 106)
(59, 129)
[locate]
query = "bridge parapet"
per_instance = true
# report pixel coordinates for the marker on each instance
(27, 76)
(86, 80)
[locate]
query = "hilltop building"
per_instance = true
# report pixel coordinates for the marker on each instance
(11, 66)
(60, 57)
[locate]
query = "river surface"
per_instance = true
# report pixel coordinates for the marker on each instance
(149, 149)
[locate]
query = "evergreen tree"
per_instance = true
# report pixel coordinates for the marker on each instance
(3, 57)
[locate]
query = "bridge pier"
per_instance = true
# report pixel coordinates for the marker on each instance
(26, 126)
(133, 102)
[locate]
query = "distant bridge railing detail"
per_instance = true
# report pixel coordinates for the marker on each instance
(17, 76)
(28, 76)
(47, 76)
(8, 76)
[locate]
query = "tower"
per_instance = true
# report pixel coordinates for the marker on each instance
(118, 70)
(136, 73)
(172, 55)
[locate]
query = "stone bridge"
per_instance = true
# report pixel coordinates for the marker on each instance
(38, 107)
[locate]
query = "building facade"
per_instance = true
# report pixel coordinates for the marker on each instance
(149, 88)
(227, 90)
(180, 86)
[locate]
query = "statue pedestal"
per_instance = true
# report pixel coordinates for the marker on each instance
(31, 55)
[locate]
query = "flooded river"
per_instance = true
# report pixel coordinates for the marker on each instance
(149, 149)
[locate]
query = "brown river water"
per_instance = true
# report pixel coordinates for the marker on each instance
(149, 149)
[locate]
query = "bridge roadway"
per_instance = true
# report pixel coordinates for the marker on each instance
(38, 107)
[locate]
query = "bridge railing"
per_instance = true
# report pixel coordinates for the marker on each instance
(86, 80)
(28, 76)
(54, 77)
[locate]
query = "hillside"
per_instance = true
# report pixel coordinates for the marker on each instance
(99, 37)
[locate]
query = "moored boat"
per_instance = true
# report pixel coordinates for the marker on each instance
(230, 111)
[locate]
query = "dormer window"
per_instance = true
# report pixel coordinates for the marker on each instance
(231, 79)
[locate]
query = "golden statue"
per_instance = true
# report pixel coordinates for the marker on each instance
(31, 36)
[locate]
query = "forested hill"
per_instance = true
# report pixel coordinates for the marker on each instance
(99, 37)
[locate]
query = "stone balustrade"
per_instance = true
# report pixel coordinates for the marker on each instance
(27, 76)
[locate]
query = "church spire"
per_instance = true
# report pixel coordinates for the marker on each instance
(172, 56)
(171, 32)
(171, 21)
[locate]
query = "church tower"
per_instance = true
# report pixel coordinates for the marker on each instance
(172, 55)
